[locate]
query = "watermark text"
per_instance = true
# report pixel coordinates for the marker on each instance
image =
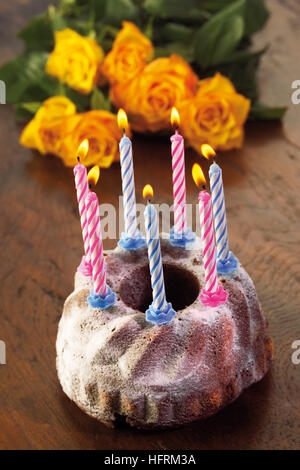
(296, 353)
(296, 94)
(112, 220)
(2, 92)
(2, 353)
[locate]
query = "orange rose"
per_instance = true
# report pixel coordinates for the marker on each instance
(148, 99)
(75, 60)
(130, 52)
(44, 132)
(216, 115)
(101, 130)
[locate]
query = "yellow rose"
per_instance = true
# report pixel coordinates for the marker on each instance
(58, 129)
(148, 99)
(101, 130)
(44, 132)
(75, 60)
(130, 52)
(216, 115)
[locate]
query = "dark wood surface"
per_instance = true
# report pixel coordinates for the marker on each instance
(41, 246)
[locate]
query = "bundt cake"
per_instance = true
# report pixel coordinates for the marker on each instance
(113, 363)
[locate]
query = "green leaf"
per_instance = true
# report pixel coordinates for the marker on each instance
(38, 35)
(176, 32)
(184, 50)
(183, 10)
(229, 39)
(21, 73)
(255, 12)
(100, 9)
(219, 37)
(255, 16)
(99, 101)
(120, 10)
(244, 56)
(57, 20)
(26, 111)
(22, 114)
(243, 76)
(81, 101)
(215, 5)
(261, 112)
(31, 107)
(67, 3)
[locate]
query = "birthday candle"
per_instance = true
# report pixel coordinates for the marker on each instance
(160, 311)
(101, 296)
(82, 189)
(127, 179)
(208, 241)
(178, 166)
(226, 261)
(155, 260)
(218, 203)
(96, 244)
(212, 293)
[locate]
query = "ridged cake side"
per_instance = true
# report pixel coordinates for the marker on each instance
(113, 363)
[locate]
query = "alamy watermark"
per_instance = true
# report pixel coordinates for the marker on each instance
(296, 353)
(2, 92)
(295, 97)
(2, 353)
(112, 219)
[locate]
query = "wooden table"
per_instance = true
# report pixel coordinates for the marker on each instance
(41, 246)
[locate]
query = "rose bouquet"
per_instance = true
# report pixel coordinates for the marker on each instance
(85, 59)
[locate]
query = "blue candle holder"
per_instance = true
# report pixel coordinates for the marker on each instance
(132, 243)
(162, 316)
(228, 265)
(182, 239)
(104, 301)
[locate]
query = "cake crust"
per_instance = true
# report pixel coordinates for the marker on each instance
(114, 363)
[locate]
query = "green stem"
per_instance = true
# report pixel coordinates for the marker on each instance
(107, 29)
(92, 16)
(149, 27)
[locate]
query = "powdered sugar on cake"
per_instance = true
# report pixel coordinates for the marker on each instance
(115, 363)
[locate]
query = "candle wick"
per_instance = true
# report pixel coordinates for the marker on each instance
(78, 159)
(204, 187)
(124, 133)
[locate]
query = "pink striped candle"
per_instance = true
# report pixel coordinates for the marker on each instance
(179, 190)
(180, 234)
(96, 245)
(212, 293)
(208, 241)
(82, 189)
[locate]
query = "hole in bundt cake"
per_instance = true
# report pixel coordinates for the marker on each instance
(182, 287)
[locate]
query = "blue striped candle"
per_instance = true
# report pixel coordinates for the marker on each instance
(160, 311)
(132, 239)
(155, 260)
(226, 262)
(128, 186)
